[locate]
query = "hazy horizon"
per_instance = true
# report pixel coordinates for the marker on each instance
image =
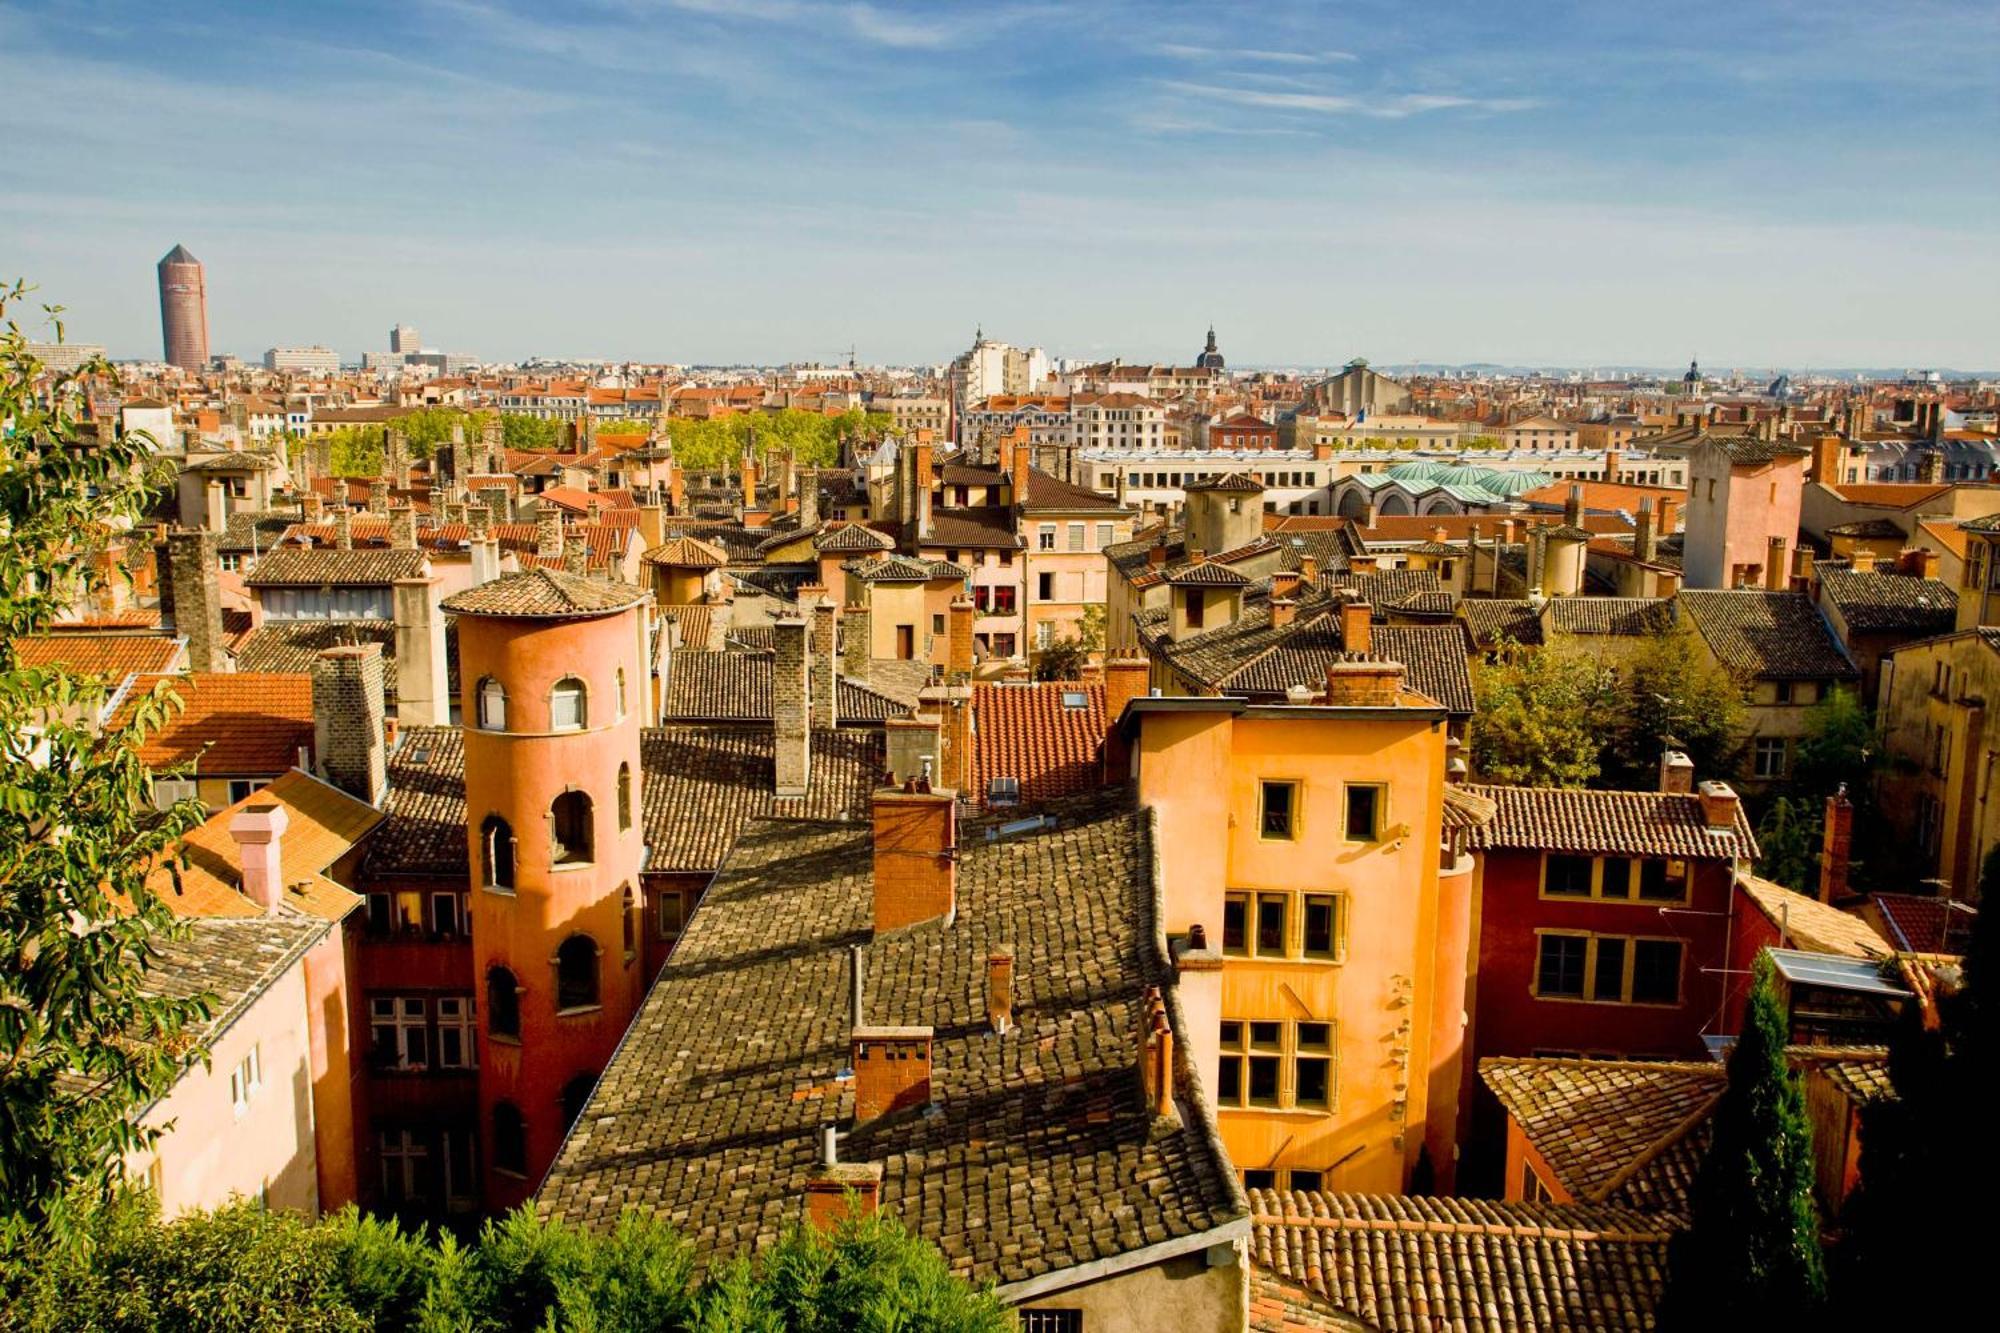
(699, 181)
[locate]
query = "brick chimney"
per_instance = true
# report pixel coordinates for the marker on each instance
(1612, 461)
(825, 661)
(808, 499)
(343, 528)
(1718, 805)
(856, 650)
(1573, 506)
(259, 830)
(1642, 532)
(348, 709)
(1357, 627)
(916, 856)
(791, 717)
(1916, 561)
(403, 528)
(1309, 570)
(1669, 516)
(549, 532)
(958, 648)
(912, 747)
(1363, 684)
(1125, 679)
(1862, 561)
(837, 1190)
(892, 1070)
(1000, 988)
(1284, 583)
(1283, 609)
(1018, 474)
(191, 598)
(1676, 773)
(747, 476)
(1834, 844)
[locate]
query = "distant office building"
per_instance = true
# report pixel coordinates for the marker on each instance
(993, 367)
(403, 338)
(314, 358)
(62, 358)
(183, 311)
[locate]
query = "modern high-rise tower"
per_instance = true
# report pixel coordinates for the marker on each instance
(403, 338)
(183, 310)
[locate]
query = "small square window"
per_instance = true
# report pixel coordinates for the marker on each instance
(1559, 968)
(1260, 1180)
(1311, 1182)
(1567, 877)
(1003, 791)
(1364, 813)
(1616, 881)
(1075, 699)
(1279, 802)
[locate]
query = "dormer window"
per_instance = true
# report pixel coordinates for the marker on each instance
(492, 705)
(567, 705)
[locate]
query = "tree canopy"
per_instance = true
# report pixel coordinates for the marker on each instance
(816, 439)
(1540, 717)
(1671, 688)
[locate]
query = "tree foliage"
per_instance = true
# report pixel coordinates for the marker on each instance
(1538, 722)
(243, 1267)
(82, 1043)
(1752, 1245)
(1929, 1164)
(1672, 688)
(817, 440)
(1788, 842)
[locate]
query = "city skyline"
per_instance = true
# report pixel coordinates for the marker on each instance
(776, 181)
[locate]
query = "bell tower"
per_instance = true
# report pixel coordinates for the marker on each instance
(551, 678)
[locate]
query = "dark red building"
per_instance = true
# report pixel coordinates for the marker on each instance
(183, 311)
(1243, 431)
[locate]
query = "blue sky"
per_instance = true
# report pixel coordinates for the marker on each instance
(718, 180)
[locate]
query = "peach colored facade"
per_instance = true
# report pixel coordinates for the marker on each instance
(261, 1145)
(1735, 513)
(518, 774)
(1392, 988)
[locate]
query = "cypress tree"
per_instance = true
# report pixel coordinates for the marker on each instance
(1751, 1251)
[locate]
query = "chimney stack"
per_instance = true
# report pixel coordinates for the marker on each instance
(259, 830)
(808, 499)
(836, 1191)
(1642, 532)
(1000, 988)
(1351, 684)
(1573, 506)
(747, 475)
(1834, 846)
(958, 655)
(1777, 565)
(191, 598)
(1676, 773)
(1718, 805)
(343, 528)
(403, 528)
(1125, 679)
(1282, 611)
(911, 747)
(548, 532)
(1284, 583)
(916, 856)
(856, 650)
(348, 720)
(423, 698)
(825, 661)
(892, 1070)
(791, 717)
(1309, 570)
(1357, 627)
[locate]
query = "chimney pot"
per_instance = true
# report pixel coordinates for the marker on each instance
(1000, 988)
(1718, 805)
(1676, 773)
(892, 1070)
(915, 855)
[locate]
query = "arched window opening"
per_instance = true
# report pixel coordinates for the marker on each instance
(568, 710)
(503, 1003)
(576, 973)
(624, 797)
(630, 903)
(510, 1139)
(621, 692)
(570, 838)
(492, 705)
(496, 853)
(575, 1096)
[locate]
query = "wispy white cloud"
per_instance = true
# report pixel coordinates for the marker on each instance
(1384, 106)
(1183, 51)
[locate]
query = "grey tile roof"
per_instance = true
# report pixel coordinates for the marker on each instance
(902, 569)
(233, 959)
(1207, 575)
(545, 594)
(1874, 603)
(1621, 616)
(300, 566)
(736, 686)
(991, 526)
(424, 831)
(852, 537)
(294, 645)
(1037, 1156)
(1766, 635)
(1494, 618)
(1612, 823)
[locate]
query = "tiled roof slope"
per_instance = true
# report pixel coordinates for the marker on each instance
(1768, 635)
(424, 831)
(1038, 1155)
(736, 687)
(544, 594)
(236, 723)
(1491, 619)
(302, 566)
(1027, 732)
(1278, 1305)
(1427, 1265)
(1627, 616)
(1610, 823)
(323, 825)
(1612, 1130)
(1887, 603)
(292, 646)
(1812, 925)
(233, 959)
(1927, 925)
(109, 656)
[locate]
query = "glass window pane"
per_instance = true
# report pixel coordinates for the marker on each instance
(1656, 971)
(1568, 876)
(1560, 970)
(1315, 1036)
(1263, 1080)
(1363, 809)
(1229, 1081)
(1235, 922)
(1319, 924)
(1608, 978)
(1266, 1035)
(1617, 881)
(1313, 1085)
(1232, 1033)
(1277, 809)
(1270, 923)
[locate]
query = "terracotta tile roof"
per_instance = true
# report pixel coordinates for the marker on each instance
(1049, 492)
(544, 594)
(697, 623)
(1467, 809)
(1207, 575)
(707, 686)
(235, 960)
(1894, 494)
(1030, 732)
(1388, 589)
(1280, 1306)
(1812, 925)
(902, 569)
(702, 785)
(1889, 603)
(292, 646)
(1037, 1155)
(1606, 495)
(107, 656)
(686, 552)
(1491, 619)
(1766, 635)
(1748, 450)
(325, 824)
(1251, 657)
(1611, 823)
(1926, 925)
(1428, 1265)
(852, 537)
(1397, 529)
(230, 724)
(1608, 1128)
(1867, 527)
(1860, 1072)
(1241, 483)
(294, 566)
(989, 527)
(1946, 534)
(423, 831)
(1617, 616)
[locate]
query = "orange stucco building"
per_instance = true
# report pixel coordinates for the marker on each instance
(1320, 920)
(552, 665)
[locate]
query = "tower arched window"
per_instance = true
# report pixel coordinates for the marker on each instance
(568, 705)
(621, 692)
(624, 797)
(496, 853)
(503, 1003)
(492, 705)
(576, 973)
(575, 1096)
(570, 835)
(510, 1139)
(629, 902)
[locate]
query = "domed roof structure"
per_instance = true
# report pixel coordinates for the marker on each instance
(1513, 483)
(1417, 469)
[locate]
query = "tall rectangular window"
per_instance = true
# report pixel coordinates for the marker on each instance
(1278, 812)
(399, 1026)
(1607, 972)
(1236, 923)
(1656, 972)
(1312, 1070)
(1322, 925)
(457, 1033)
(1559, 969)
(1271, 923)
(1364, 812)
